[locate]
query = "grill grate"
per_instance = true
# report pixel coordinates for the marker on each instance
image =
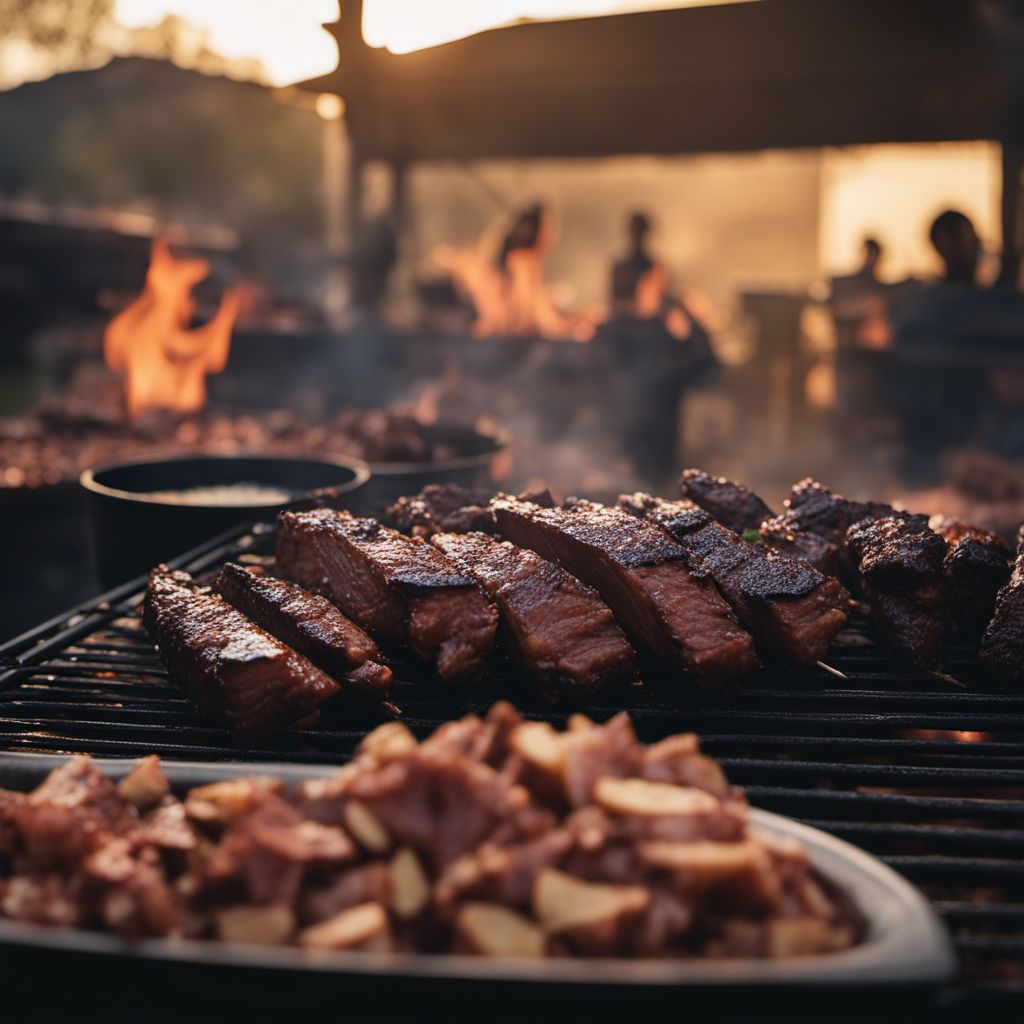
(926, 774)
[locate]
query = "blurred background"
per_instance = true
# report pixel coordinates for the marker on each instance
(772, 239)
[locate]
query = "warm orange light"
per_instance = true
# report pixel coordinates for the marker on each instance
(402, 26)
(516, 301)
(329, 106)
(163, 361)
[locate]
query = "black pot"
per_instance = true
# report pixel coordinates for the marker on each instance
(482, 458)
(133, 531)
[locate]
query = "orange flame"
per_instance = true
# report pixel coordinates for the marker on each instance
(514, 303)
(164, 362)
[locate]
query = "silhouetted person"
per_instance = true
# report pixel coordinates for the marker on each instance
(872, 259)
(525, 233)
(627, 272)
(865, 277)
(946, 338)
(956, 242)
(652, 349)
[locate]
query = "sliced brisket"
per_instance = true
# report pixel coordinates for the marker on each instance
(398, 588)
(792, 610)
(233, 671)
(977, 565)
(1002, 646)
(732, 504)
(563, 633)
(310, 624)
(900, 560)
(740, 509)
(643, 576)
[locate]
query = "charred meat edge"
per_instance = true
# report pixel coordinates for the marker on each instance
(561, 631)
(901, 564)
(1002, 646)
(233, 671)
(642, 575)
(311, 625)
(732, 504)
(792, 610)
(740, 509)
(977, 565)
(400, 589)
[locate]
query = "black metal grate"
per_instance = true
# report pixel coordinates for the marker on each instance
(925, 773)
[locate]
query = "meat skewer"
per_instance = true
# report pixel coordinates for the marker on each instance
(399, 589)
(233, 671)
(792, 610)
(1002, 646)
(643, 577)
(901, 564)
(560, 630)
(740, 509)
(311, 625)
(977, 565)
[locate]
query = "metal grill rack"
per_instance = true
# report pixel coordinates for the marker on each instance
(923, 772)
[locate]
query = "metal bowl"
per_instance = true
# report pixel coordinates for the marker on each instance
(893, 973)
(482, 458)
(133, 530)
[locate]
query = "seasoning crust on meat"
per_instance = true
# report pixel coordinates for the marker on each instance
(642, 574)
(233, 671)
(1002, 646)
(733, 505)
(494, 837)
(311, 625)
(398, 588)
(901, 563)
(563, 634)
(792, 610)
(977, 564)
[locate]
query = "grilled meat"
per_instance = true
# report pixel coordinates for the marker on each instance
(400, 589)
(732, 504)
(449, 508)
(901, 561)
(643, 576)
(561, 631)
(1002, 646)
(815, 508)
(441, 508)
(790, 608)
(785, 538)
(812, 508)
(492, 837)
(233, 671)
(739, 509)
(311, 625)
(977, 564)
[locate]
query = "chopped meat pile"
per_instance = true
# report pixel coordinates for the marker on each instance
(494, 837)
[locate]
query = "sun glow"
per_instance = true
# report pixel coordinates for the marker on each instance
(406, 25)
(285, 35)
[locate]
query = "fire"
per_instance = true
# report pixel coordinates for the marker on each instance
(163, 361)
(513, 299)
